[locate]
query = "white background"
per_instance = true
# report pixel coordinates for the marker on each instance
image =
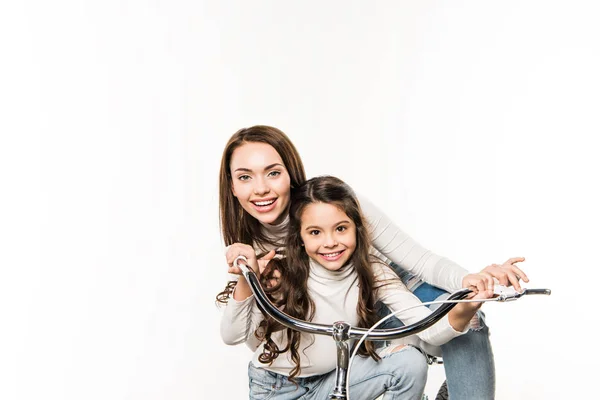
(471, 123)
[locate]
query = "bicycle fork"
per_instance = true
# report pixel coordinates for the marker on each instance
(340, 335)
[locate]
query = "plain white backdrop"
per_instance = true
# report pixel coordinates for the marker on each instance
(471, 123)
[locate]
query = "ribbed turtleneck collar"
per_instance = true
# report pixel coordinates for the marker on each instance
(323, 273)
(278, 232)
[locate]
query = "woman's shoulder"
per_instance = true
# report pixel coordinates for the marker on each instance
(381, 270)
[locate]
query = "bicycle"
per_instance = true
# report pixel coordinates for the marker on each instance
(342, 332)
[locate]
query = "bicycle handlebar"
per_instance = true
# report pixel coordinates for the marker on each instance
(342, 331)
(266, 306)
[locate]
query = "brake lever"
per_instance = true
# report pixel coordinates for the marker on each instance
(510, 294)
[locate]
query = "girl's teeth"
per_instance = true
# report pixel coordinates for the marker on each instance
(332, 254)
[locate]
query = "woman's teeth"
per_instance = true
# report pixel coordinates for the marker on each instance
(264, 203)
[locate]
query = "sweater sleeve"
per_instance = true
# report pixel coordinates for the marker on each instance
(404, 251)
(239, 322)
(393, 293)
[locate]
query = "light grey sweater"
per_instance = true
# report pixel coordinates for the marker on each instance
(335, 294)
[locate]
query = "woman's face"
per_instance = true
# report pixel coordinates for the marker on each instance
(260, 182)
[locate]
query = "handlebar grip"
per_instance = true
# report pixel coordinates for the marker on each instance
(537, 291)
(243, 267)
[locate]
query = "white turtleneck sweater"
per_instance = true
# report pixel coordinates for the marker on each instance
(335, 294)
(392, 243)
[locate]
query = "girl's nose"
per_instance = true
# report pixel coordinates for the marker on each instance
(330, 241)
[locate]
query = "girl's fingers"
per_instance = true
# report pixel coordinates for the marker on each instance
(489, 280)
(481, 286)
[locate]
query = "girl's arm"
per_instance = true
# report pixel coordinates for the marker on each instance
(403, 250)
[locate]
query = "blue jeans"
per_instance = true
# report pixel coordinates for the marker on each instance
(398, 375)
(468, 359)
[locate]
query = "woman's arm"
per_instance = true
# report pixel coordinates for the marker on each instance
(242, 316)
(393, 293)
(403, 250)
(240, 320)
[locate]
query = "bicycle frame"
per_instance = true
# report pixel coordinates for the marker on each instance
(341, 331)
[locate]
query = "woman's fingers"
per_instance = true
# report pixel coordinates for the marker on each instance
(513, 260)
(514, 273)
(239, 249)
(497, 272)
(263, 261)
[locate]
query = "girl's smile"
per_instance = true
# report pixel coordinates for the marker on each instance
(329, 235)
(332, 256)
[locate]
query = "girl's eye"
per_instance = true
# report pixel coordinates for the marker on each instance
(341, 228)
(244, 177)
(274, 173)
(314, 232)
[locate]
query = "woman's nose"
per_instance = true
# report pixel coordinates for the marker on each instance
(261, 187)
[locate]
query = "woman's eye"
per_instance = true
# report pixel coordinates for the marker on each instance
(244, 177)
(274, 173)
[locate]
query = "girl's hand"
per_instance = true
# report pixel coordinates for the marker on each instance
(482, 282)
(508, 274)
(462, 313)
(240, 249)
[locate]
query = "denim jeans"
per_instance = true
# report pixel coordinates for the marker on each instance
(468, 359)
(398, 375)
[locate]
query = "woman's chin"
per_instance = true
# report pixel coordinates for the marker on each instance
(270, 218)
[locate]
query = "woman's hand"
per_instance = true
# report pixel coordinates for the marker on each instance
(508, 274)
(242, 289)
(240, 249)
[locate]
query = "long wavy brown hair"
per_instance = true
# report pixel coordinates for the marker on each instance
(237, 226)
(291, 293)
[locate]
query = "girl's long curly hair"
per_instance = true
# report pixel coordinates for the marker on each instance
(291, 293)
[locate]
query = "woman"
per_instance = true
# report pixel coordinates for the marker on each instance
(259, 166)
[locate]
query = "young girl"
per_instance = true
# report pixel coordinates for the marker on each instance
(260, 165)
(329, 275)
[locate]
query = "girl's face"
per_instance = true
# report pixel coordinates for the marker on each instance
(329, 235)
(260, 182)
